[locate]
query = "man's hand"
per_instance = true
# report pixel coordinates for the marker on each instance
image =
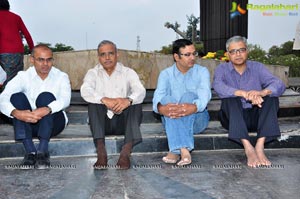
(41, 112)
(26, 116)
(256, 97)
(177, 110)
(117, 105)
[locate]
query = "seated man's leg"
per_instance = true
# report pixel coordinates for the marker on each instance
(97, 121)
(23, 130)
(232, 117)
(201, 121)
(129, 122)
(50, 125)
(268, 127)
(180, 131)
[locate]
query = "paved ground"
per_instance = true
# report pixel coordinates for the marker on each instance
(213, 174)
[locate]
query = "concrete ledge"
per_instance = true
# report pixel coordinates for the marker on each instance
(147, 65)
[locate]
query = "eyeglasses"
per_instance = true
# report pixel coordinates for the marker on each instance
(189, 54)
(235, 51)
(110, 54)
(42, 60)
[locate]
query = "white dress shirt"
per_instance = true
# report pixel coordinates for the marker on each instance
(28, 82)
(123, 82)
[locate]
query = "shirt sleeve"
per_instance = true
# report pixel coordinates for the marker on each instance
(13, 86)
(204, 90)
(220, 85)
(88, 88)
(271, 82)
(161, 89)
(137, 91)
(26, 34)
(63, 98)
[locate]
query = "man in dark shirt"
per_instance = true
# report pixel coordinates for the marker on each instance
(249, 94)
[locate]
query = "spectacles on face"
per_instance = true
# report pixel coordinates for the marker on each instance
(189, 54)
(42, 60)
(109, 54)
(235, 51)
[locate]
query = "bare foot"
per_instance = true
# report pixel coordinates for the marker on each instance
(124, 161)
(101, 162)
(262, 157)
(170, 158)
(259, 148)
(252, 159)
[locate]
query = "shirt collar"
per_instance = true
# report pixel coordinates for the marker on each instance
(118, 68)
(35, 75)
(231, 67)
(178, 73)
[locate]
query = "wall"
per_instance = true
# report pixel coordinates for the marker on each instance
(147, 65)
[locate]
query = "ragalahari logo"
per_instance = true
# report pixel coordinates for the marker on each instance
(236, 10)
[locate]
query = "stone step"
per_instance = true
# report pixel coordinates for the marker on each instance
(77, 112)
(76, 139)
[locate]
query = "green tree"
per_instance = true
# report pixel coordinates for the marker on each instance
(257, 53)
(192, 33)
(59, 47)
(62, 47)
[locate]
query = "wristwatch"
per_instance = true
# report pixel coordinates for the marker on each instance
(130, 100)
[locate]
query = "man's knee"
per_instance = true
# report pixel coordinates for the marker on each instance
(20, 101)
(44, 99)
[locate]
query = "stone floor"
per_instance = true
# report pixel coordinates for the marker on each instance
(213, 174)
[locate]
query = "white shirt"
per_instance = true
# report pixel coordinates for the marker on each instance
(28, 82)
(123, 82)
(2, 75)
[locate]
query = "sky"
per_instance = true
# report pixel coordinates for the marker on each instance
(82, 24)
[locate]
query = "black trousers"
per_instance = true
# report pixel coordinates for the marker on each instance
(127, 123)
(239, 121)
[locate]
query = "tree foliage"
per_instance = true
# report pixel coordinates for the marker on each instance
(191, 34)
(58, 47)
(278, 55)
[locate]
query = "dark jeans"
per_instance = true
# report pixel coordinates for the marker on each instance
(50, 125)
(239, 121)
(127, 123)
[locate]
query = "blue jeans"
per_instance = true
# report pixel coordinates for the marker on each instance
(180, 131)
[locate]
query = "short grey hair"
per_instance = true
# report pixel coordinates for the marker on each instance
(104, 42)
(236, 39)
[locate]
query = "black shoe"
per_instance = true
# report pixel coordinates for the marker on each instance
(28, 161)
(42, 160)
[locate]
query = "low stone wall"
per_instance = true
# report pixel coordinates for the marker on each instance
(147, 65)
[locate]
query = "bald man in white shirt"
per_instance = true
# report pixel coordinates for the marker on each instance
(35, 99)
(115, 95)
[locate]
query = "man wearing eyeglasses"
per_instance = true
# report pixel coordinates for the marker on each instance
(181, 96)
(35, 100)
(249, 94)
(114, 94)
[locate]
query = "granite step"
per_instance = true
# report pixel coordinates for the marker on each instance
(289, 104)
(76, 139)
